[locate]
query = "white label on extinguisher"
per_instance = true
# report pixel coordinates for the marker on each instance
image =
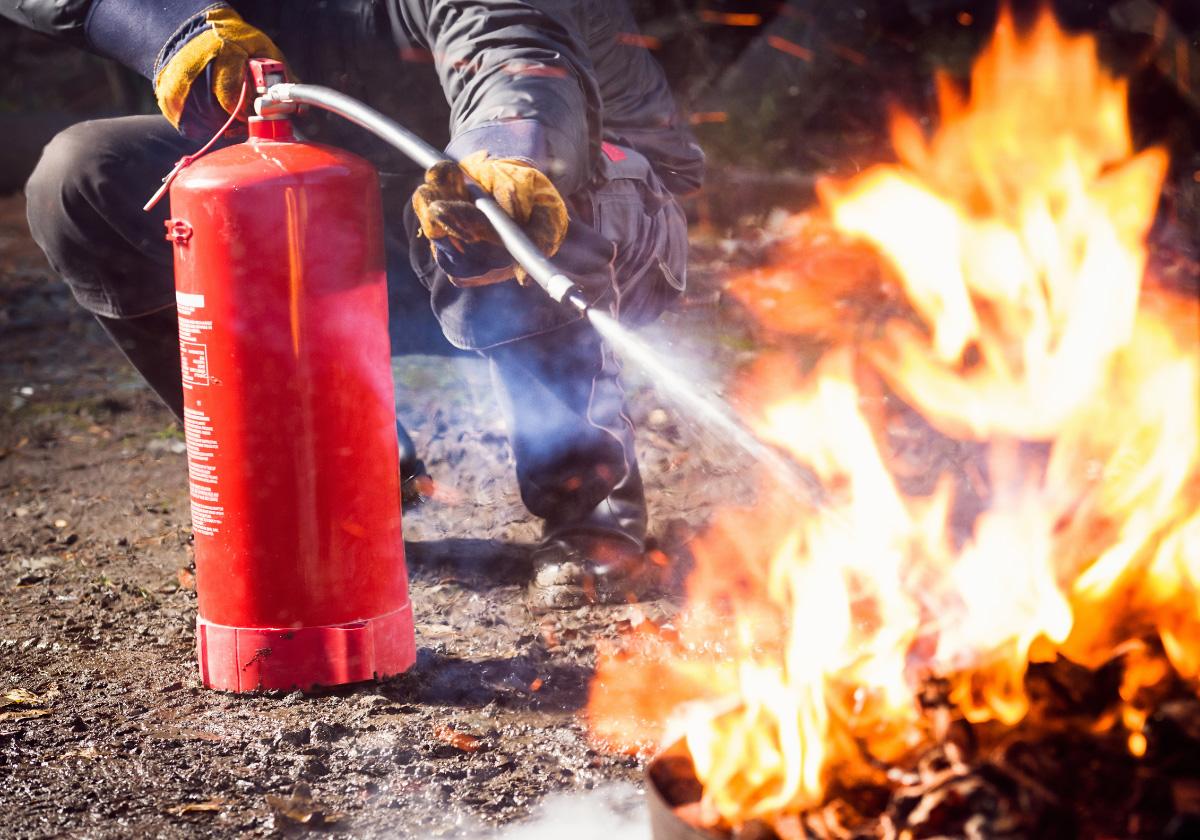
(189, 300)
(207, 511)
(194, 359)
(193, 348)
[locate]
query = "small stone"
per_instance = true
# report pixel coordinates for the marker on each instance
(292, 737)
(60, 523)
(313, 768)
(322, 731)
(158, 445)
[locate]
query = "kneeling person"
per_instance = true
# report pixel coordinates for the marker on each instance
(552, 107)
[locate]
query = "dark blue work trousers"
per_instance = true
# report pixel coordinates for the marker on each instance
(556, 381)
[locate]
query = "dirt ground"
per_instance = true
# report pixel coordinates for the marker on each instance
(105, 730)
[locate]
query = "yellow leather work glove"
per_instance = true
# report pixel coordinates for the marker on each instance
(464, 244)
(226, 43)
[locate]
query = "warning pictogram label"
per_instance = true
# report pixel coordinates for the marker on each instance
(194, 359)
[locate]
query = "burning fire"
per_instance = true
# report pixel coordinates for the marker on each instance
(1018, 335)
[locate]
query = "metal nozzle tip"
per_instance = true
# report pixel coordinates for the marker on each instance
(576, 298)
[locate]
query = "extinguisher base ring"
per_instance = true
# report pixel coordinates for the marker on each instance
(244, 659)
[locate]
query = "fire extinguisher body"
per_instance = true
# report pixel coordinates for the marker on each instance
(289, 417)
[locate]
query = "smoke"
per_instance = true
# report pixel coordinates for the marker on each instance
(614, 811)
(707, 408)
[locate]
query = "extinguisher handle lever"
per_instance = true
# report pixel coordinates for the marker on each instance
(556, 284)
(267, 72)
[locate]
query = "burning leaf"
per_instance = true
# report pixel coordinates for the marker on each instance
(458, 740)
(658, 558)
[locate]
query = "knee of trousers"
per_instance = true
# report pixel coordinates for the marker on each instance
(57, 193)
(83, 205)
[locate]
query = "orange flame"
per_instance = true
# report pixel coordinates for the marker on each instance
(1008, 310)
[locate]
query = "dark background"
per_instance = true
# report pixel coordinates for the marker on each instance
(778, 91)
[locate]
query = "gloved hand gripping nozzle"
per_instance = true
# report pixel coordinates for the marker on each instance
(277, 98)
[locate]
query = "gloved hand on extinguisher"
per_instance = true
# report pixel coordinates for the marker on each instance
(200, 80)
(464, 244)
(195, 52)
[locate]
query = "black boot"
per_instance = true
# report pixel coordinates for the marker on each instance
(576, 466)
(415, 483)
(598, 559)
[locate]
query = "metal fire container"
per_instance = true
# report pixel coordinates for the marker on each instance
(289, 416)
(670, 783)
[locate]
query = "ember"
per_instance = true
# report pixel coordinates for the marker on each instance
(1010, 645)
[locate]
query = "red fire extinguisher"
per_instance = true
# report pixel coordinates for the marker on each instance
(289, 414)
